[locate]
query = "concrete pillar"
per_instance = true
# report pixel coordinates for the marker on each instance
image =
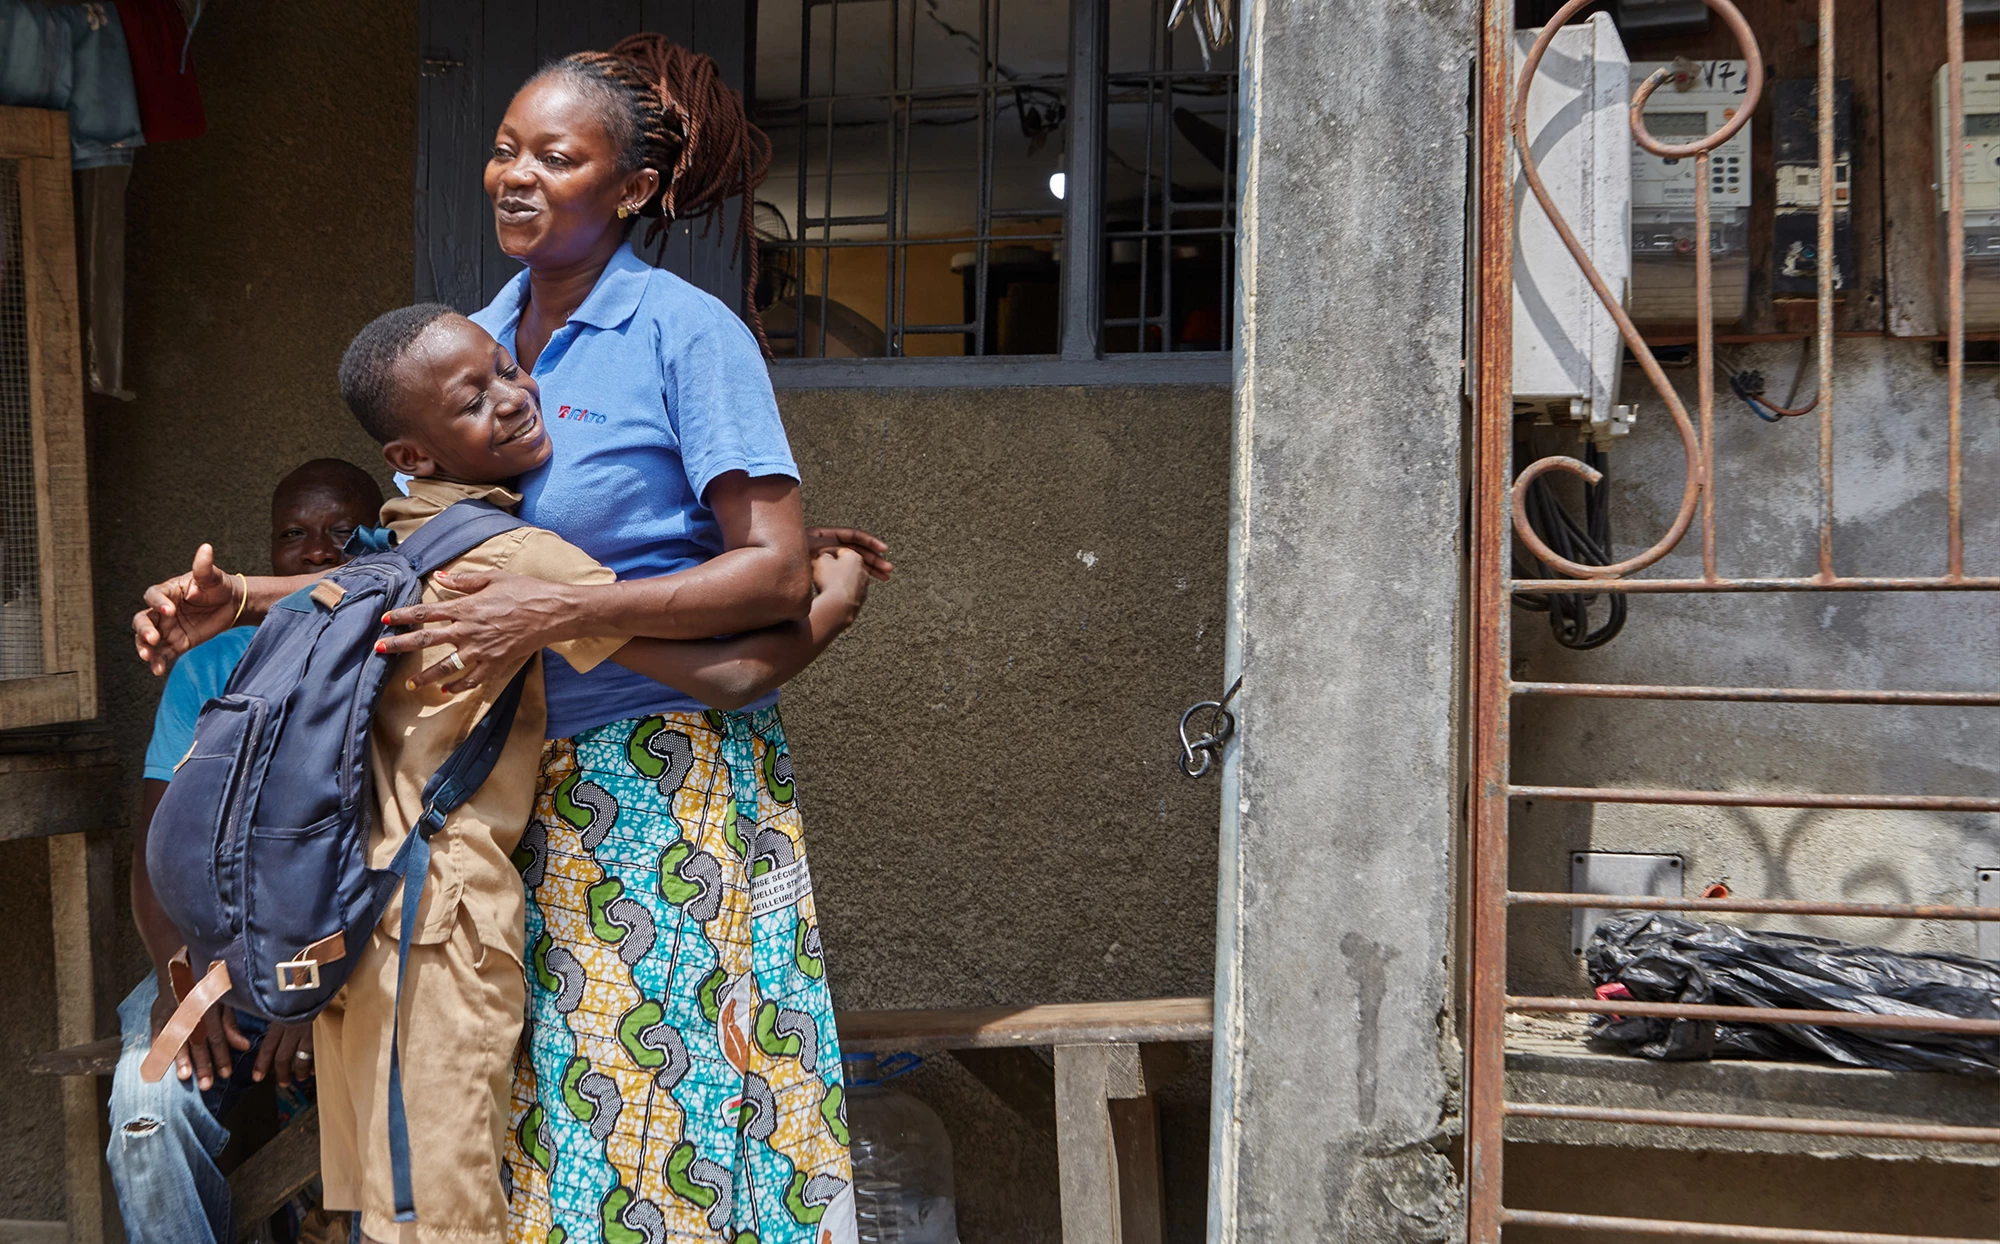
(1336, 1065)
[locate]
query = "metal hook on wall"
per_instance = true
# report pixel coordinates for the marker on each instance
(1198, 755)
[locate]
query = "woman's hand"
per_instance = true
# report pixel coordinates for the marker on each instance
(186, 610)
(500, 621)
(874, 552)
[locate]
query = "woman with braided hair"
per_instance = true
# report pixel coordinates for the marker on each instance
(679, 1077)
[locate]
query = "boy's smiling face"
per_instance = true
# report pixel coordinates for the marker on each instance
(467, 411)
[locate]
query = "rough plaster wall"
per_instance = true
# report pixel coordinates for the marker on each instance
(253, 255)
(1337, 1092)
(1848, 1194)
(987, 760)
(1890, 454)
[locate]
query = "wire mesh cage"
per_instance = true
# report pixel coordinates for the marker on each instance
(20, 561)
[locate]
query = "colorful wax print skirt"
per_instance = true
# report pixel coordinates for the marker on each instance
(679, 1076)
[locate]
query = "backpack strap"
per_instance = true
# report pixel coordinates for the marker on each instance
(461, 528)
(457, 778)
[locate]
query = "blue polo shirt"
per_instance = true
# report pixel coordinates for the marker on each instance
(198, 677)
(651, 390)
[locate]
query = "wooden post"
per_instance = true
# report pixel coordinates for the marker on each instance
(76, 1023)
(1107, 1145)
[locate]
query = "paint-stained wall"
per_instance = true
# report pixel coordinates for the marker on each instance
(1889, 503)
(1889, 416)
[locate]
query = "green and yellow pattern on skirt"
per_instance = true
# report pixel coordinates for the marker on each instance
(679, 1076)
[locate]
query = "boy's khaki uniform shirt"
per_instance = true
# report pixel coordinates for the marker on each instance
(462, 1003)
(417, 731)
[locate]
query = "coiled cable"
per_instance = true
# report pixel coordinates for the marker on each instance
(1587, 543)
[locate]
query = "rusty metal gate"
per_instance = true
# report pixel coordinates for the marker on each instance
(1500, 133)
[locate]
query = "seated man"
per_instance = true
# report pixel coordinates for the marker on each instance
(165, 1136)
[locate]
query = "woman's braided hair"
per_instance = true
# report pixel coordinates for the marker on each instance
(668, 109)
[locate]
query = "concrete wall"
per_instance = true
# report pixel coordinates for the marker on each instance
(988, 758)
(1849, 1194)
(1890, 506)
(1889, 488)
(1336, 1069)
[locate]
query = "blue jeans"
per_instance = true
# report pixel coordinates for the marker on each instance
(165, 1137)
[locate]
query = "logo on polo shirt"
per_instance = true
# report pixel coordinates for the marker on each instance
(579, 414)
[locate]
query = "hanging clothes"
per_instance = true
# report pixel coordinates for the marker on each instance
(72, 57)
(156, 36)
(100, 244)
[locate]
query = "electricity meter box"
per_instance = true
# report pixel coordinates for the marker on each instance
(1982, 192)
(1567, 349)
(1698, 98)
(1795, 173)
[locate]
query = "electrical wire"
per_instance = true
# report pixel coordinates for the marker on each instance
(1749, 388)
(1588, 543)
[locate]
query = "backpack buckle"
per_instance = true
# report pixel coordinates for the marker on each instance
(295, 975)
(430, 822)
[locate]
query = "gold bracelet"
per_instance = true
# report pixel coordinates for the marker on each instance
(243, 604)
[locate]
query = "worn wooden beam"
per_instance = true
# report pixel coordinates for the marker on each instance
(76, 1021)
(1912, 50)
(92, 1058)
(1142, 1198)
(1138, 1022)
(55, 409)
(42, 794)
(275, 1173)
(1020, 1079)
(33, 134)
(1087, 1078)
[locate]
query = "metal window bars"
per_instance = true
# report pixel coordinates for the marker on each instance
(1497, 519)
(813, 121)
(1170, 224)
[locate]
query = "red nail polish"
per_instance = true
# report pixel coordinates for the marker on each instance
(381, 647)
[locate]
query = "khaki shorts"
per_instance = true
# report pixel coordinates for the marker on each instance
(462, 1007)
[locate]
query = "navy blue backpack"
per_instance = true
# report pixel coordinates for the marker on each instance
(259, 849)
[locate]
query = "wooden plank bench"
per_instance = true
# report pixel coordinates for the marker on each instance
(1097, 1099)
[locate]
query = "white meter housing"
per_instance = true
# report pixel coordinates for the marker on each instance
(1982, 190)
(1567, 350)
(1697, 98)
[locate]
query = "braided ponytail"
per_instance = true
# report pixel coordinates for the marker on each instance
(669, 110)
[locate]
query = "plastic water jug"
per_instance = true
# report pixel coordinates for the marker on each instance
(902, 1157)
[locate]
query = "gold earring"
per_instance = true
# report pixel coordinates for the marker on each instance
(624, 212)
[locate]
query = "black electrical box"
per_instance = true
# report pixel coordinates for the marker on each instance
(1795, 212)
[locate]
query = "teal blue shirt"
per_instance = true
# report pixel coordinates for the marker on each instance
(195, 679)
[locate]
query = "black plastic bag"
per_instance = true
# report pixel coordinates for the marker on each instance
(1663, 958)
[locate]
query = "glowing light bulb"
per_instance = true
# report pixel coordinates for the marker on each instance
(1057, 184)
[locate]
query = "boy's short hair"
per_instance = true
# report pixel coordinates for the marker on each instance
(366, 370)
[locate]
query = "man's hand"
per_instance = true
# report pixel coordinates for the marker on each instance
(873, 550)
(841, 574)
(208, 1053)
(287, 1051)
(185, 611)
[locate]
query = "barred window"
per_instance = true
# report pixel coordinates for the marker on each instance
(1042, 179)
